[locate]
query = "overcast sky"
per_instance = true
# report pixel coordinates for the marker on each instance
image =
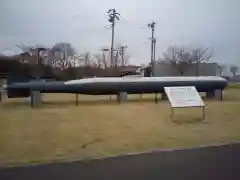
(205, 23)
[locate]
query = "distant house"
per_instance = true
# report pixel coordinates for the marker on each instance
(25, 57)
(28, 58)
(236, 78)
(22, 57)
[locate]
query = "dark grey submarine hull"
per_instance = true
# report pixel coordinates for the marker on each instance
(111, 86)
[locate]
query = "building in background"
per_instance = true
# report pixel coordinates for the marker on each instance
(236, 78)
(202, 69)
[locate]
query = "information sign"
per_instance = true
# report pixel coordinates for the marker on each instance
(184, 97)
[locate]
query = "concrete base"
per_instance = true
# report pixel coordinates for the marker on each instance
(122, 96)
(210, 94)
(36, 99)
(217, 94)
(35, 96)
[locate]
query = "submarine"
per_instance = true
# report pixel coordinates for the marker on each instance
(114, 85)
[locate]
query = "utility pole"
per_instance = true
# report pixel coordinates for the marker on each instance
(154, 50)
(153, 43)
(112, 16)
(122, 52)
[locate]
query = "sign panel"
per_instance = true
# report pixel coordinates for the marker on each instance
(186, 96)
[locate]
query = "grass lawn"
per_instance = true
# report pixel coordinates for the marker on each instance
(61, 131)
(234, 85)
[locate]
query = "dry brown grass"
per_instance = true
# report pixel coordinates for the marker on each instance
(97, 128)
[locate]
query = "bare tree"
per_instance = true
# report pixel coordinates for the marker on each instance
(62, 55)
(200, 55)
(25, 48)
(127, 60)
(76, 61)
(234, 69)
(120, 57)
(108, 61)
(178, 58)
(100, 60)
(87, 59)
(221, 68)
(64, 63)
(181, 58)
(116, 61)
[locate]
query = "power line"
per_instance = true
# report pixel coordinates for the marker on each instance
(137, 25)
(107, 26)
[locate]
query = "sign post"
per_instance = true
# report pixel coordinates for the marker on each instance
(183, 97)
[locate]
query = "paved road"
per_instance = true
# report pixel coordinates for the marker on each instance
(220, 163)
